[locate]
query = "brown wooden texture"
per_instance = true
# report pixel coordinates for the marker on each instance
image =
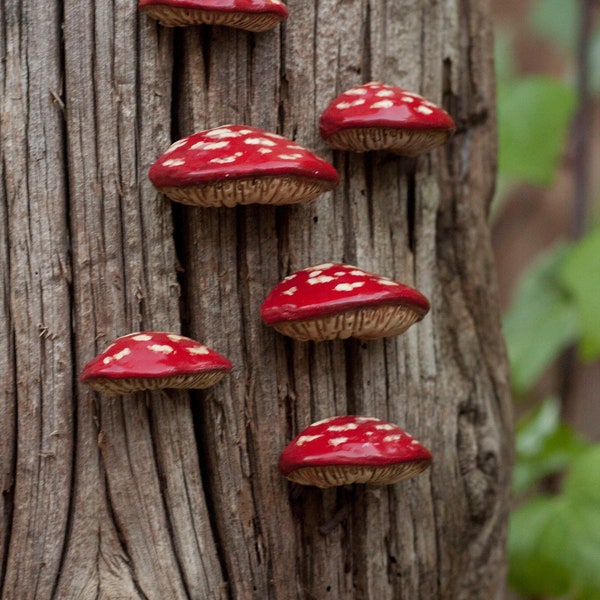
(175, 495)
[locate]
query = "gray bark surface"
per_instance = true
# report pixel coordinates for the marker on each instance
(177, 495)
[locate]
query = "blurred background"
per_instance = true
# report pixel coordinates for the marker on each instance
(546, 235)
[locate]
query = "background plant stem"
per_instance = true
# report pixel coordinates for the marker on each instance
(581, 136)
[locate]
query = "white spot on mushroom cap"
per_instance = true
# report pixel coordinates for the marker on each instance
(226, 159)
(348, 287)
(366, 419)
(175, 337)
(259, 141)
(209, 145)
(357, 272)
(383, 104)
(117, 356)
(320, 279)
(387, 282)
(407, 99)
(337, 441)
(345, 105)
(289, 277)
(385, 427)
(173, 162)
(315, 273)
(424, 110)
(359, 91)
(384, 93)
(263, 150)
(307, 438)
(222, 132)
(290, 156)
(344, 427)
(290, 292)
(415, 442)
(176, 145)
(162, 348)
(323, 421)
(142, 337)
(396, 437)
(197, 350)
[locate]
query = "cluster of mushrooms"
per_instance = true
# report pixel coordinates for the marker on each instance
(239, 164)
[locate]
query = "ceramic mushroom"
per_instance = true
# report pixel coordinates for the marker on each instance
(350, 449)
(152, 360)
(332, 300)
(251, 15)
(377, 116)
(238, 164)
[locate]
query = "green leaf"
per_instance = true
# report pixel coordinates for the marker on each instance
(544, 446)
(554, 547)
(533, 116)
(572, 539)
(554, 542)
(541, 321)
(580, 274)
(532, 570)
(534, 430)
(582, 482)
(587, 594)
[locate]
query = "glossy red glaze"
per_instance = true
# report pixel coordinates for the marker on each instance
(380, 105)
(236, 152)
(351, 440)
(154, 354)
(233, 6)
(332, 287)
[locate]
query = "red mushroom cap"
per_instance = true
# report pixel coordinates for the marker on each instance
(330, 301)
(351, 449)
(251, 15)
(377, 116)
(238, 164)
(151, 360)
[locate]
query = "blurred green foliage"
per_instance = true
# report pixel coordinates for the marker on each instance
(545, 446)
(533, 118)
(579, 273)
(542, 320)
(554, 538)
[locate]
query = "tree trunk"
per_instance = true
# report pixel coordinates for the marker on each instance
(174, 495)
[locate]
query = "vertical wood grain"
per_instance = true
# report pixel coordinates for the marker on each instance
(421, 538)
(177, 495)
(37, 274)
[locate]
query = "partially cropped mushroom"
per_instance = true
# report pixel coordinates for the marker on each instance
(251, 15)
(351, 449)
(238, 164)
(152, 360)
(332, 300)
(377, 116)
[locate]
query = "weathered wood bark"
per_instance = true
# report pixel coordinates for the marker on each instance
(177, 495)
